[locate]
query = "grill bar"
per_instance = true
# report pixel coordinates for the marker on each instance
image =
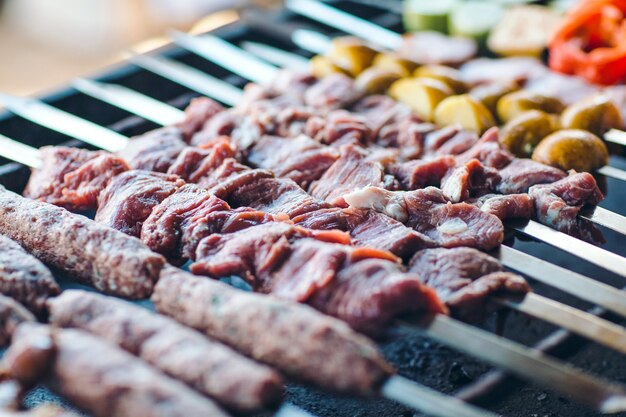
(124, 98)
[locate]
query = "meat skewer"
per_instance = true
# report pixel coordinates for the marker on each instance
(98, 376)
(211, 368)
(24, 278)
(84, 239)
(533, 228)
(601, 294)
(558, 315)
(581, 249)
(551, 369)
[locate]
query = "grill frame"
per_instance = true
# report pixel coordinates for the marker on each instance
(415, 357)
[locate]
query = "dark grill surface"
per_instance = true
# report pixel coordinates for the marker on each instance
(415, 357)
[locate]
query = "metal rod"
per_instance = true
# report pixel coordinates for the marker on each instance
(230, 56)
(18, 152)
(189, 77)
(604, 396)
(594, 254)
(131, 101)
(311, 41)
(577, 321)
(612, 172)
(565, 280)
(346, 22)
(63, 122)
(277, 56)
(432, 402)
(607, 219)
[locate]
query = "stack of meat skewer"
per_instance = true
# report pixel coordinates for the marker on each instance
(203, 203)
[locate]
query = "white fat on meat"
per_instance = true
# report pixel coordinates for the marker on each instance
(379, 199)
(453, 226)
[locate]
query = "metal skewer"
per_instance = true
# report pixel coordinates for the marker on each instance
(125, 98)
(524, 358)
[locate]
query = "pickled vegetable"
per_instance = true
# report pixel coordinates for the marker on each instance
(475, 19)
(422, 95)
(465, 111)
(597, 114)
(447, 75)
(322, 66)
(489, 94)
(572, 149)
(351, 54)
(392, 60)
(513, 104)
(522, 134)
(375, 80)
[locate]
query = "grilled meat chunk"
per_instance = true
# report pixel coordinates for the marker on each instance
(521, 174)
(24, 278)
(430, 213)
(255, 252)
(46, 410)
(155, 150)
(301, 159)
(176, 226)
(107, 259)
(488, 151)
(558, 204)
(98, 377)
(210, 367)
(332, 92)
(12, 314)
(338, 127)
(512, 206)
(130, 197)
(470, 180)
(421, 173)
(199, 111)
(241, 186)
(291, 337)
(72, 177)
(465, 278)
(350, 172)
(194, 164)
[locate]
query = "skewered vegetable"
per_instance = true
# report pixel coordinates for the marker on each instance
(490, 93)
(449, 76)
(464, 110)
(572, 149)
(513, 104)
(392, 60)
(375, 80)
(591, 42)
(422, 95)
(522, 134)
(352, 54)
(321, 66)
(595, 114)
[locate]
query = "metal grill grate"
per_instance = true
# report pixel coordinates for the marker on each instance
(415, 357)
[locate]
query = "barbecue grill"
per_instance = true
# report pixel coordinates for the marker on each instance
(416, 357)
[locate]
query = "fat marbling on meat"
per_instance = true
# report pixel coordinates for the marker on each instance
(465, 278)
(72, 177)
(429, 212)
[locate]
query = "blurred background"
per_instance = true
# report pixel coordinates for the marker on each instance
(44, 43)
